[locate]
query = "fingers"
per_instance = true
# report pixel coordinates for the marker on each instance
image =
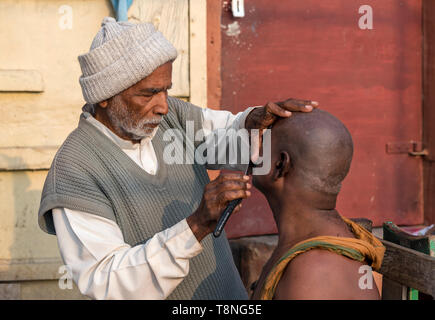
(234, 185)
(298, 105)
(231, 186)
(277, 110)
(261, 118)
(309, 105)
(314, 104)
(224, 176)
(229, 195)
(217, 195)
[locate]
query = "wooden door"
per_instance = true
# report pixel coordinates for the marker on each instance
(371, 79)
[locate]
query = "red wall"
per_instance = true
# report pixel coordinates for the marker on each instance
(370, 79)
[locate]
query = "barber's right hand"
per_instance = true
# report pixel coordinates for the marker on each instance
(217, 194)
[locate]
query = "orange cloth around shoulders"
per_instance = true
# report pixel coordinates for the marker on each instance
(365, 248)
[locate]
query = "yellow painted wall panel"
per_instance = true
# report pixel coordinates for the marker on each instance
(20, 235)
(21, 81)
(48, 290)
(35, 35)
(171, 17)
(39, 290)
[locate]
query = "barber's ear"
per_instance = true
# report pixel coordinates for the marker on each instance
(282, 166)
(103, 104)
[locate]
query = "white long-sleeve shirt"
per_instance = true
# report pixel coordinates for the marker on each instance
(105, 267)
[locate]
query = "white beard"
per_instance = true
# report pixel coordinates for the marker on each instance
(122, 118)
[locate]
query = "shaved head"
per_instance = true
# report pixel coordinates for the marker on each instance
(319, 149)
(310, 155)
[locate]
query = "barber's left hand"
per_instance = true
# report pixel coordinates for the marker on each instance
(263, 117)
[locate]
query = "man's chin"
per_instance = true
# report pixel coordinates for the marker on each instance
(139, 135)
(149, 131)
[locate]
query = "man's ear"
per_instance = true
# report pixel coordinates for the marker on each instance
(103, 104)
(282, 166)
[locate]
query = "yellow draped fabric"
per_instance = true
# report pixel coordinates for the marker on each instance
(365, 248)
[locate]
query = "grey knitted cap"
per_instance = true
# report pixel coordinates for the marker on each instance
(122, 53)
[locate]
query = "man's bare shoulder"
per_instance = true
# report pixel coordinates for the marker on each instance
(324, 275)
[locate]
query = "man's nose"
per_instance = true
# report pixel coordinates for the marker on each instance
(161, 103)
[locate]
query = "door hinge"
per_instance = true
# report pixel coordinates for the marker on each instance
(412, 148)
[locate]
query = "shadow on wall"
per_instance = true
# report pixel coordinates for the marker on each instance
(17, 212)
(19, 206)
(25, 252)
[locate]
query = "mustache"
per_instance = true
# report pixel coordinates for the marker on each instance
(155, 120)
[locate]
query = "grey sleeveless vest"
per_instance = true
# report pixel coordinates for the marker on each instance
(92, 174)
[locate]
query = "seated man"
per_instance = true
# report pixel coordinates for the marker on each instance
(319, 253)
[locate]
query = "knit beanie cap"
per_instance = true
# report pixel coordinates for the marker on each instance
(121, 54)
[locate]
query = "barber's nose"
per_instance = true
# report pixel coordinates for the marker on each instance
(161, 103)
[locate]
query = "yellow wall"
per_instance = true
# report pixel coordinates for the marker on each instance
(38, 61)
(32, 126)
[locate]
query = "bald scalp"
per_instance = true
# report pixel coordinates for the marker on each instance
(320, 148)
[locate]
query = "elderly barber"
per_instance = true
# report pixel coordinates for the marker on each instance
(129, 225)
